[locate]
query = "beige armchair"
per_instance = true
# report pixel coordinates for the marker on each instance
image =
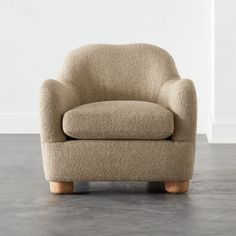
(118, 113)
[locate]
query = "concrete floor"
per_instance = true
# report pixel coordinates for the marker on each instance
(27, 207)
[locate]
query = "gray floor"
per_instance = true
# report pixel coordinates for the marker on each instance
(27, 207)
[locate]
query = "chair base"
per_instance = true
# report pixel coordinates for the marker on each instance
(61, 187)
(177, 186)
(68, 187)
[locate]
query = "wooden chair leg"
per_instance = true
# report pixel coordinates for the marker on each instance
(177, 186)
(61, 187)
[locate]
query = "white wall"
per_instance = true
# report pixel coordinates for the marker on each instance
(222, 124)
(36, 35)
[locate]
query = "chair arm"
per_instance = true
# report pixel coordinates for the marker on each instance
(56, 98)
(179, 96)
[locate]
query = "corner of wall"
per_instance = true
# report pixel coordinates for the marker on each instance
(221, 132)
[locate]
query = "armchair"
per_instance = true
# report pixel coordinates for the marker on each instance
(118, 113)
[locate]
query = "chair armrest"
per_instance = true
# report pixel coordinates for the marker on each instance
(179, 96)
(56, 98)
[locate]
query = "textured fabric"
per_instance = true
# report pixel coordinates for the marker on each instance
(119, 120)
(106, 72)
(118, 160)
(118, 72)
(55, 99)
(96, 73)
(180, 97)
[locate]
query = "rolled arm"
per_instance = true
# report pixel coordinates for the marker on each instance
(179, 96)
(55, 99)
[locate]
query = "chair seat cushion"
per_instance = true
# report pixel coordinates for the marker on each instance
(119, 120)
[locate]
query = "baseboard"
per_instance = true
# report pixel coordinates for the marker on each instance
(18, 123)
(221, 132)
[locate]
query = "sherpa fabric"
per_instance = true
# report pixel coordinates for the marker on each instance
(95, 73)
(180, 97)
(119, 120)
(118, 160)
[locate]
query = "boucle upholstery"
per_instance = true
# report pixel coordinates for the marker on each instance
(119, 120)
(118, 72)
(56, 98)
(99, 73)
(180, 97)
(118, 160)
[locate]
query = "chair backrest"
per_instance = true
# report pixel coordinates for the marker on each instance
(118, 72)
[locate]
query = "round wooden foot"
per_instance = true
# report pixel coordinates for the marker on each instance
(61, 187)
(177, 186)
